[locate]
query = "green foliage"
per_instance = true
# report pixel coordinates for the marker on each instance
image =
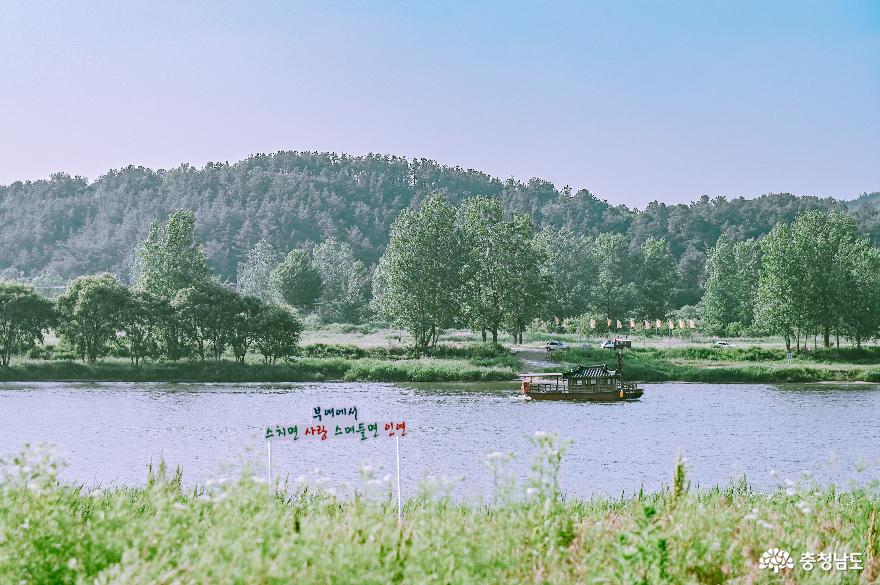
(253, 273)
(502, 278)
(735, 365)
(296, 281)
(656, 279)
(140, 322)
(568, 272)
(418, 283)
(24, 316)
(90, 312)
(819, 276)
(169, 259)
(733, 269)
(243, 531)
(276, 332)
(208, 316)
(613, 288)
(346, 282)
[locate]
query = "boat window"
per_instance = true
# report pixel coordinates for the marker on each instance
(593, 381)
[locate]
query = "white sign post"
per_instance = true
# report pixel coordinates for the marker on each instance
(269, 453)
(399, 497)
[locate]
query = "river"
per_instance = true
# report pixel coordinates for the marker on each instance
(109, 432)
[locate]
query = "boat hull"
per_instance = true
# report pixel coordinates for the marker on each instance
(610, 396)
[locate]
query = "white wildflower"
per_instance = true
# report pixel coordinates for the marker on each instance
(179, 506)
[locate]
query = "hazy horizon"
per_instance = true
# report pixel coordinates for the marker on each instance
(635, 102)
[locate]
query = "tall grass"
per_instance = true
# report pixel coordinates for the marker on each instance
(472, 362)
(245, 532)
(734, 365)
(298, 370)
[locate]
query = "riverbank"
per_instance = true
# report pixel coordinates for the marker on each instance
(734, 365)
(301, 370)
(320, 362)
(242, 532)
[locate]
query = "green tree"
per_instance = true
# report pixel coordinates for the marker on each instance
(170, 259)
(207, 315)
(733, 268)
(276, 333)
(861, 283)
(568, 270)
(780, 297)
(484, 277)
(613, 290)
(24, 316)
(346, 283)
(253, 274)
(90, 314)
(418, 281)
(822, 240)
(245, 326)
(296, 281)
(141, 322)
(522, 259)
(657, 279)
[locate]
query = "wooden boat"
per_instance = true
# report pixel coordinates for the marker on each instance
(596, 383)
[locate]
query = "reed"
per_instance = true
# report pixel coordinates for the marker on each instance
(243, 532)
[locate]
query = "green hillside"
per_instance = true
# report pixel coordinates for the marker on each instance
(71, 226)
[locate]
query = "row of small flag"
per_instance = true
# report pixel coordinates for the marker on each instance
(657, 324)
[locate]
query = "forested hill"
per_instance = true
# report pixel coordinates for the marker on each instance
(73, 227)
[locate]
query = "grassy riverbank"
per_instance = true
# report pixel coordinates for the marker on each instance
(239, 532)
(736, 365)
(319, 363)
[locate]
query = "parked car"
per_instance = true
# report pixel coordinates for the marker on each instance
(607, 344)
(723, 344)
(552, 345)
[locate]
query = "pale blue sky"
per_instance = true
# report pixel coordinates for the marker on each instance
(633, 100)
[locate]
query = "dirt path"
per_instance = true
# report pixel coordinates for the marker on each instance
(534, 359)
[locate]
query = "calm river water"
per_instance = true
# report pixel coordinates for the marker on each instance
(110, 432)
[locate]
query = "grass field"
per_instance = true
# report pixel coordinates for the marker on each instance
(736, 365)
(244, 532)
(318, 362)
(345, 352)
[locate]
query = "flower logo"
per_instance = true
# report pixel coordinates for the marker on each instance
(776, 559)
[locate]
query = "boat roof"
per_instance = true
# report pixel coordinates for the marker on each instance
(593, 371)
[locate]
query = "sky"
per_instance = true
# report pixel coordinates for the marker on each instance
(635, 101)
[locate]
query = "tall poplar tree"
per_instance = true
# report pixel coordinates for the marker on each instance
(418, 282)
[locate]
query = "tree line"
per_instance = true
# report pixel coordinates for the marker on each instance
(175, 310)
(475, 266)
(817, 276)
(57, 229)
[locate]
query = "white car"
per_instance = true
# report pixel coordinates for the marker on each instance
(551, 345)
(607, 344)
(723, 344)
